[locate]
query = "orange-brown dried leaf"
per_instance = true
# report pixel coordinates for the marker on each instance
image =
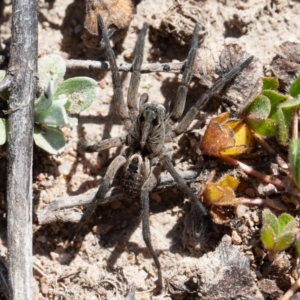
(229, 181)
(226, 138)
(222, 192)
(242, 137)
(217, 137)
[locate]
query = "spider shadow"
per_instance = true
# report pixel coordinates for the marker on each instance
(123, 222)
(169, 199)
(108, 121)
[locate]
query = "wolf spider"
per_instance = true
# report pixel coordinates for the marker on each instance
(149, 127)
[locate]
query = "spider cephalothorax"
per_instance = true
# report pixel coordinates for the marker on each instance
(148, 134)
(148, 128)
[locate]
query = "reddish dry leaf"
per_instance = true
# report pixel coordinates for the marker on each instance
(226, 138)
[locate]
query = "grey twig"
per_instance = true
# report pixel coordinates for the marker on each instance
(22, 69)
(146, 68)
(60, 210)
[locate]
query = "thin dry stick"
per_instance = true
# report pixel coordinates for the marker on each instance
(104, 65)
(23, 70)
(295, 124)
(292, 290)
(55, 211)
(251, 171)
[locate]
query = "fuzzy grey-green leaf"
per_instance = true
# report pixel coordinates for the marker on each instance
(51, 66)
(54, 115)
(50, 139)
(80, 92)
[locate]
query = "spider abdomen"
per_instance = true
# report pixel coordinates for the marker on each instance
(133, 176)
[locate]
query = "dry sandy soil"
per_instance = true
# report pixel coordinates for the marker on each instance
(109, 254)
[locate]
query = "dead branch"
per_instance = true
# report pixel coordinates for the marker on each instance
(23, 70)
(104, 65)
(59, 210)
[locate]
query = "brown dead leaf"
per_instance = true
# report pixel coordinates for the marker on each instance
(115, 14)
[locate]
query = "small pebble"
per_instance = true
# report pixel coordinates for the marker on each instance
(236, 239)
(44, 288)
(65, 167)
(241, 210)
(42, 239)
(103, 228)
(54, 255)
(45, 24)
(64, 257)
(178, 256)
(250, 193)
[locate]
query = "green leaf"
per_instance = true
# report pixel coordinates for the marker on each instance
(274, 97)
(269, 219)
(285, 112)
(51, 139)
(265, 127)
(270, 83)
(295, 88)
(277, 234)
(267, 238)
(298, 247)
(286, 222)
(259, 108)
(54, 115)
(46, 99)
(80, 92)
(284, 241)
(294, 158)
(51, 66)
(3, 131)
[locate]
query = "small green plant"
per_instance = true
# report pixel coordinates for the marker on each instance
(270, 113)
(58, 100)
(277, 234)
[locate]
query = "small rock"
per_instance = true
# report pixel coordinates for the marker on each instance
(54, 255)
(44, 288)
(64, 258)
(236, 239)
(103, 228)
(42, 239)
(241, 210)
(65, 168)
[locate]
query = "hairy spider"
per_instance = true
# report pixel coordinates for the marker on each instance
(149, 127)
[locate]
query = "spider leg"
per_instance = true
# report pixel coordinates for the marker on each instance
(185, 81)
(166, 161)
(119, 102)
(201, 102)
(132, 102)
(115, 165)
(102, 145)
(147, 187)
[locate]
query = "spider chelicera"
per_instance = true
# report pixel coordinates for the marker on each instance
(149, 127)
